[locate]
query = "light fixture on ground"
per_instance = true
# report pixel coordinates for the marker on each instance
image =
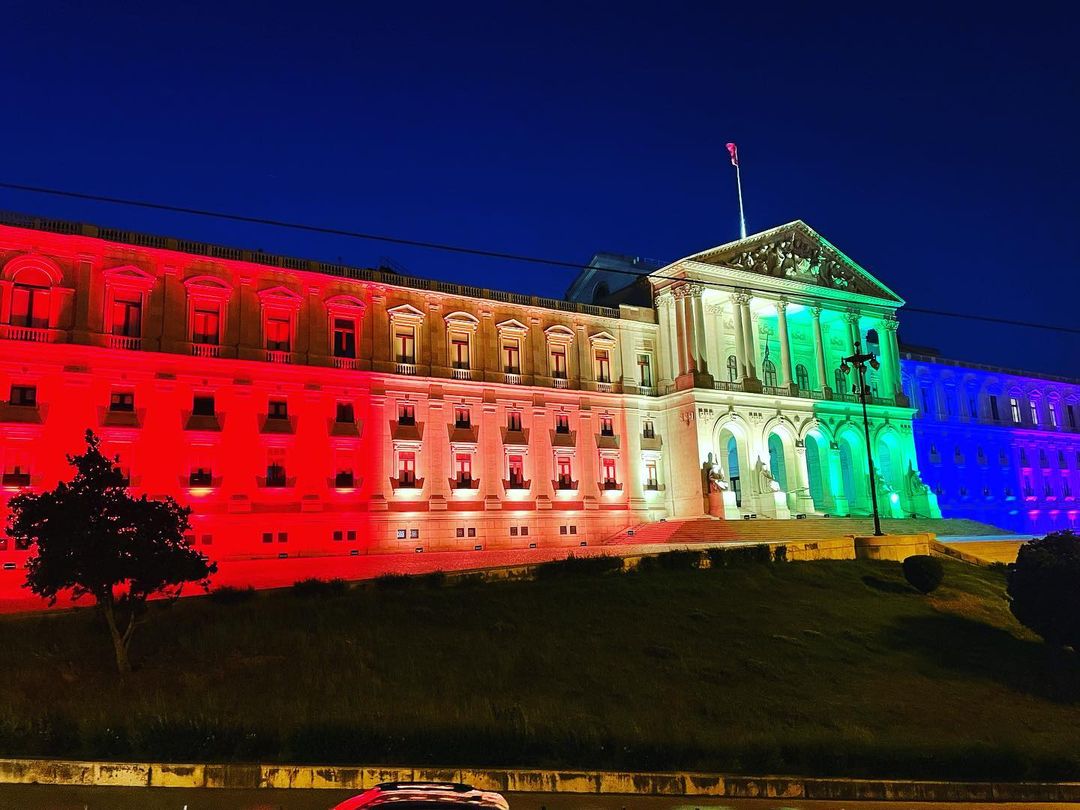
(859, 361)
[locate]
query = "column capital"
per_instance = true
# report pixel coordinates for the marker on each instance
(816, 310)
(782, 304)
(688, 289)
(663, 299)
(740, 298)
(891, 323)
(851, 315)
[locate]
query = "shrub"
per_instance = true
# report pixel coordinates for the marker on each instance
(579, 566)
(1044, 588)
(780, 554)
(318, 587)
(923, 573)
(739, 555)
(394, 582)
(679, 559)
(228, 595)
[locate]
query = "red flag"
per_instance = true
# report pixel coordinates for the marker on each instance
(733, 150)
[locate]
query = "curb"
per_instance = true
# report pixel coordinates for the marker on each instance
(304, 777)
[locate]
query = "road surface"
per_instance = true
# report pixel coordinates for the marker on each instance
(42, 797)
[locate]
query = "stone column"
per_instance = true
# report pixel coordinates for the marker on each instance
(688, 340)
(680, 334)
(697, 305)
(714, 354)
(819, 352)
(666, 357)
(892, 348)
(740, 335)
(804, 503)
(851, 318)
(787, 378)
(748, 339)
(840, 503)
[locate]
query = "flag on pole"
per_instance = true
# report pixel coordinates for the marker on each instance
(733, 150)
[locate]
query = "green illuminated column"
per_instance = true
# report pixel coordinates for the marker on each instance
(786, 378)
(819, 351)
(841, 506)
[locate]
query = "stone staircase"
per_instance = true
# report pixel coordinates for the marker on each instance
(713, 531)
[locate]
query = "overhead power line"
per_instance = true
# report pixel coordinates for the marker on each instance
(459, 249)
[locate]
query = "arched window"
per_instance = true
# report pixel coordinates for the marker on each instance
(30, 301)
(768, 373)
(732, 368)
(802, 377)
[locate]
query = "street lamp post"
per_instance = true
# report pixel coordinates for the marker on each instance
(859, 361)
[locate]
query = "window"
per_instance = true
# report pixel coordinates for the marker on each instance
(732, 368)
(1014, 408)
(513, 531)
(127, 315)
(607, 464)
(768, 371)
(201, 474)
(202, 405)
(278, 409)
(1071, 411)
(459, 531)
(405, 344)
(414, 533)
(511, 352)
(339, 536)
(573, 530)
(958, 455)
(517, 472)
(565, 479)
(351, 535)
(268, 537)
(840, 378)
(402, 534)
(206, 323)
(343, 470)
(283, 537)
(973, 406)
(934, 454)
(459, 350)
(802, 377)
(1033, 408)
(462, 417)
(1048, 488)
(562, 530)
(929, 407)
(1003, 458)
(1066, 490)
(607, 426)
(1051, 409)
(278, 334)
(651, 481)
(648, 430)
(122, 402)
(472, 532)
(344, 415)
(524, 531)
(463, 469)
(17, 468)
(558, 362)
(994, 408)
(562, 423)
(980, 455)
(275, 468)
(1029, 491)
(407, 469)
(513, 421)
(1023, 457)
(1043, 460)
(644, 363)
(1061, 460)
(25, 395)
(406, 414)
(344, 337)
(603, 366)
(30, 306)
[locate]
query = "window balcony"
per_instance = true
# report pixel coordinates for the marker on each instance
(345, 480)
(464, 482)
(517, 482)
(565, 484)
(29, 334)
(200, 479)
(406, 480)
(276, 356)
(205, 350)
(652, 485)
(16, 479)
(276, 479)
(646, 390)
(408, 369)
(610, 485)
(123, 342)
(26, 414)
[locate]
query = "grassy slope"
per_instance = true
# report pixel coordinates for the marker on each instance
(827, 667)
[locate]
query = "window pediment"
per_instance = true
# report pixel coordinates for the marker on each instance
(208, 287)
(346, 305)
(511, 327)
(559, 334)
(129, 276)
(280, 297)
(462, 320)
(405, 313)
(602, 339)
(23, 268)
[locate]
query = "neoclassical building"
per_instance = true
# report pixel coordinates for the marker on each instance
(997, 445)
(305, 408)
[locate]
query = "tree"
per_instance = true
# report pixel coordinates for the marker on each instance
(1044, 588)
(92, 537)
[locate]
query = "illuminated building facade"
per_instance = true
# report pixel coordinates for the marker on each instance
(997, 445)
(303, 408)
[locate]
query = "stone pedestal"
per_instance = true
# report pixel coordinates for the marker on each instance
(723, 505)
(773, 505)
(925, 505)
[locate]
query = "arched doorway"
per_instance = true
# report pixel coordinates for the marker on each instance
(853, 472)
(732, 454)
(777, 462)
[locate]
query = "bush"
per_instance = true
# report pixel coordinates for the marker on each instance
(675, 560)
(739, 555)
(780, 554)
(228, 595)
(579, 566)
(1044, 588)
(318, 587)
(923, 573)
(394, 582)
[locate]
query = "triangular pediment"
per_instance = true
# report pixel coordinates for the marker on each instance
(796, 252)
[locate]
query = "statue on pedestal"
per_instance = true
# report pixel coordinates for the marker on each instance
(915, 484)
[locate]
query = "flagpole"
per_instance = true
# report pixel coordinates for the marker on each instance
(742, 217)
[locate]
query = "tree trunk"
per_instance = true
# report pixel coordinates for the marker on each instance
(120, 641)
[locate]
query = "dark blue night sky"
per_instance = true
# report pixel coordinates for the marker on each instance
(937, 146)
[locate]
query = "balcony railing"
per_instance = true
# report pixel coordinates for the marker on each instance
(511, 379)
(27, 333)
(652, 486)
(12, 479)
(124, 342)
(408, 369)
(349, 363)
(206, 350)
(560, 382)
(274, 356)
(461, 373)
(604, 386)
(725, 385)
